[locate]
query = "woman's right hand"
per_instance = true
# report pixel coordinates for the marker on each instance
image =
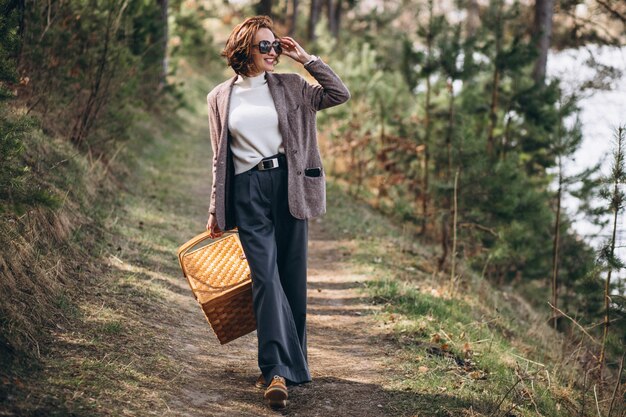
(212, 227)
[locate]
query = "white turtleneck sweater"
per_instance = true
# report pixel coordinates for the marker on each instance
(253, 123)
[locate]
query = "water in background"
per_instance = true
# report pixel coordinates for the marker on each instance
(602, 110)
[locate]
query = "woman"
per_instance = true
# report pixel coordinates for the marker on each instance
(268, 180)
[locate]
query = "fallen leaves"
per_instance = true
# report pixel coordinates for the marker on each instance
(467, 350)
(478, 374)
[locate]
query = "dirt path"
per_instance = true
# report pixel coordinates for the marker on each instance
(346, 352)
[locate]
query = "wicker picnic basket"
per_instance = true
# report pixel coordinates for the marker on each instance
(219, 277)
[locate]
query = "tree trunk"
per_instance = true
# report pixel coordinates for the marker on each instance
(450, 130)
(616, 205)
(294, 18)
(427, 120)
(555, 247)
(495, 83)
(473, 18)
(314, 17)
(542, 34)
(446, 218)
(164, 27)
(283, 15)
(607, 288)
(454, 228)
(264, 7)
(21, 7)
(493, 117)
(334, 17)
(330, 14)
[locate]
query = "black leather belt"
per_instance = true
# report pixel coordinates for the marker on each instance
(273, 162)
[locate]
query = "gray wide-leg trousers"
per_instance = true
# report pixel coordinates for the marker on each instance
(275, 244)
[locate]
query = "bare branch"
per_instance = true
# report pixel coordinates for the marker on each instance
(489, 230)
(497, 407)
(617, 384)
(528, 360)
(595, 394)
(576, 323)
(611, 11)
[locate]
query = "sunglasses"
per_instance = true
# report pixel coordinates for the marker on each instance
(266, 46)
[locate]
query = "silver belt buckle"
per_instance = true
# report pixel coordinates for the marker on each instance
(268, 164)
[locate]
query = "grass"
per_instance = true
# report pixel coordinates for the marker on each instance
(42, 261)
(478, 351)
(104, 351)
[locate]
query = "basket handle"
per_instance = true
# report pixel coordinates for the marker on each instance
(199, 238)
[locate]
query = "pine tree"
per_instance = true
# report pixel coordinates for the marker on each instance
(615, 197)
(17, 188)
(565, 143)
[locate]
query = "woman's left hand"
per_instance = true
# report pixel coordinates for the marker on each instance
(293, 50)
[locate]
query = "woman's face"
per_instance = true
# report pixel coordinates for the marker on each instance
(263, 62)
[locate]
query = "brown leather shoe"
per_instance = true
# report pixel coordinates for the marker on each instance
(276, 393)
(260, 382)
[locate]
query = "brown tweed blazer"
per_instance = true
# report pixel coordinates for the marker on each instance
(296, 103)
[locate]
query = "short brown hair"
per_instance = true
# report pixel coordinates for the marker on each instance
(238, 49)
